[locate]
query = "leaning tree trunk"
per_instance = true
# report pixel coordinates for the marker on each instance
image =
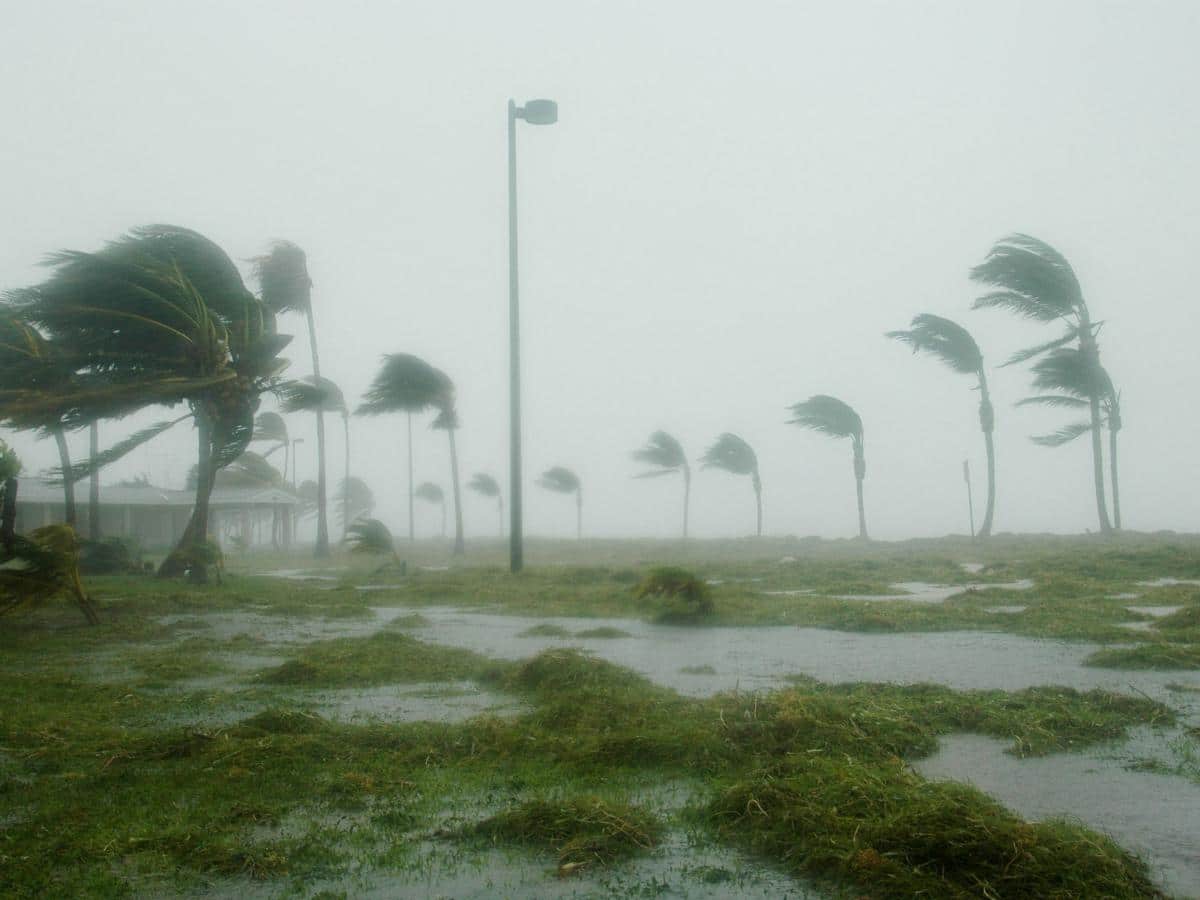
(459, 549)
(987, 421)
(687, 496)
(190, 553)
(860, 472)
(412, 531)
(579, 514)
(64, 460)
(757, 482)
(322, 545)
(8, 515)
(1087, 345)
(1112, 463)
(94, 484)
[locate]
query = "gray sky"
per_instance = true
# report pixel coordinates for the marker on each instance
(738, 200)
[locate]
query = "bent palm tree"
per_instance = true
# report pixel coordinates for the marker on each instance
(831, 416)
(953, 345)
(406, 383)
(356, 500)
(1035, 281)
(371, 536)
(666, 455)
(1067, 378)
(319, 395)
(564, 481)
(486, 485)
(286, 286)
(432, 493)
(730, 453)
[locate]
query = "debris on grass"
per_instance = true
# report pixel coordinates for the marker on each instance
(679, 595)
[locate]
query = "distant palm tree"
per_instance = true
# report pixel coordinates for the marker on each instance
(486, 485)
(1067, 378)
(564, 481)
(406, 383)
(831, 416)
(1035, 281)
(732, 454)
(356, 499)
(432, 493)
(319, 395)
(287, 287)
(371, 536)
(666, 455)
(953, 345)
(269, 427)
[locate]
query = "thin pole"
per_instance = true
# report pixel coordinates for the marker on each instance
(412, 531)
(970, 501)
(516, 542)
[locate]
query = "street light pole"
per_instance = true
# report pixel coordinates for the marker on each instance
(535, 112)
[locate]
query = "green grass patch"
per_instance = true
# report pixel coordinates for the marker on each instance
(545, 629)
(604, 631)
(1147, 656)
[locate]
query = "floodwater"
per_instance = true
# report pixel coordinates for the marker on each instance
(1155, 816)
(915, 591)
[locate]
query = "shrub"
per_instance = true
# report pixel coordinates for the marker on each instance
(679, 594)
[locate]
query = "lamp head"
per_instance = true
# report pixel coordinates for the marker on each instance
(539, 112)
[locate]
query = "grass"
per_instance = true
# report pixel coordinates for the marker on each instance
(1168, 657)
(100, 796)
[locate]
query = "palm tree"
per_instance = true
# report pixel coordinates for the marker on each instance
(319, 395)
(371, 536)
(1035, 281)
(160, 316)
(485, 484)
(1067, 378)
(831, 416)
(432, 493)
(666, 455)
(406, 383)
(356, 500)
(732, 454)
(286, 286)
(953, 345)
(564, 481)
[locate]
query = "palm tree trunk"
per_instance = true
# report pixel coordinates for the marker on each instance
(579, 514)
(1087, 345)
(185, 553)
(64, 460)
(987, 421)
(412, 531)
(459, 549)
(687, 496)
(757, 482)
(8, 514)
(1116, 485)
(322, 546)
(94, 484)
(860, 472)
(346, 477)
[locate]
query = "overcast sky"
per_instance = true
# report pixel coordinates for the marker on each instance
(738, 200)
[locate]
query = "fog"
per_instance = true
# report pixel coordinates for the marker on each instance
(735, 205)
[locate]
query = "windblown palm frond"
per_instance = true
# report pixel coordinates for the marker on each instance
(560, 480)
(282, 275)
(270, 426)
(407, 383)
(430, 492)
(1063, 435)
(446, 419)
(355, 498)
(664, 453)
(1060, 401)
(484, 484)
(1030, 352)
(370, 536)
(828, 415)
(40, 567)
(249, 470)
(309, 394)
(92, 465)
(731, 454)
(1072, 372)
(1034, 279)
(947, 340)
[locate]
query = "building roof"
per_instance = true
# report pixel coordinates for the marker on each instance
(32, 490)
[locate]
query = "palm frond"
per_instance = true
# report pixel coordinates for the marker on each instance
(828, 415)
(1071, 371)
(370, 536)
(270, 426)
(731, 454)
(1063, 435)
(1030, 352)
(663, 452)
(484, 484)
(91, 467)
(429, 492)
(947, 340)
(560, 480)
(282, 275)
(406, 383)
(1058, 401)
(309, 394)
(1033, 279)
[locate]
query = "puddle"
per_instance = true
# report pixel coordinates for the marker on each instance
(1010, 610)
(1168, 582)
(924, 592)
(1151, 815)
(1157, 611)
(1124, 596)
(435, 702)
(794, 593)
(299, 575)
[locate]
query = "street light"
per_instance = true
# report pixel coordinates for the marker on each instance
(535, 112)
